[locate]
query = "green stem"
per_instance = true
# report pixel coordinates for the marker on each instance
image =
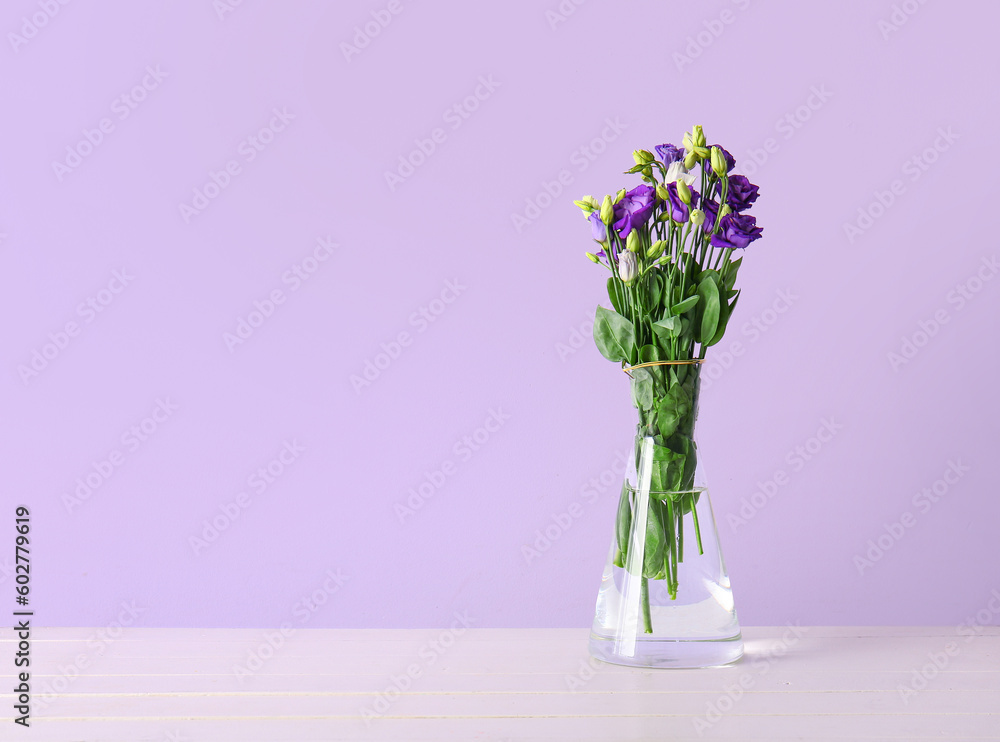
(697, 528)
(680, 538)
(647, 621)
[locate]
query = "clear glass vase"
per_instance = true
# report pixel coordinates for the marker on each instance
(665, 598)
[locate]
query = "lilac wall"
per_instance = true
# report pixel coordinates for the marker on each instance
(830, 107)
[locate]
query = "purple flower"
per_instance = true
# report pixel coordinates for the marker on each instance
(730, 160)
(736, 230)
(741, 194)
(668, 153)
(634, 209)
(600, 232)
(711, 209)
(679, 211)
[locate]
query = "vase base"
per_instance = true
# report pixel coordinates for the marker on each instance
(668, 653)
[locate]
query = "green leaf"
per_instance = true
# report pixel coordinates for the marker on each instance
(655, 289)
(720, 330)
(666, 465)
(648, 353)
(623, 524)
(709, 292)
(725, 312)
(671, 410)
(616, 292)
(614, 335)
(729, 274)
(665, 331)
(642, 392)
(642, 388)
(662, 337)
(652, 561)
(671, 324)
(684, 305)
(710, 273)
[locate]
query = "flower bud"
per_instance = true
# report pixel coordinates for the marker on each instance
(694, 145)
(697, 217)
(683, 192)
(719, 164)
(620, 195)
(656, 249)
(642, 157)
(628, 267)
(696, 138)
(588, 204)
(593, 258)
(725, 210)
(663, 193)
(632, 241)
(607, 210)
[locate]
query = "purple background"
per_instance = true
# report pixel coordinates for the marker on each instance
(838, 97)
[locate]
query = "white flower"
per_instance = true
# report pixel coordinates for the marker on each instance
(676, 171)
(628, 266)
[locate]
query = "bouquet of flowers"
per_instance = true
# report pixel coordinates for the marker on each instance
(668, 245)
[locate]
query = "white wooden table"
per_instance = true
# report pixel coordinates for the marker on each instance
(499, 684)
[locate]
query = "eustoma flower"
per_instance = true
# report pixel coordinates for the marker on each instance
(676, 171)
(598, 230)
(634, 209)
(668, 248)
(736, 230)
(674, 204)
(670, 154)
(628, 266)
(742, 193)
(711, 209)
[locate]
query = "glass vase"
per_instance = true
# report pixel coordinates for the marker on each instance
(665, 598)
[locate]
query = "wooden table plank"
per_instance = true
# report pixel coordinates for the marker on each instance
(844, 683)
